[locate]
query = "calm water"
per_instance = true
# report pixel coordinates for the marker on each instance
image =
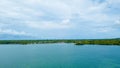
(59, 56)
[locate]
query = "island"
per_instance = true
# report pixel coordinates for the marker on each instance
(75, 41)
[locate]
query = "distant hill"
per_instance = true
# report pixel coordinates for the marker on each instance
(117, 38)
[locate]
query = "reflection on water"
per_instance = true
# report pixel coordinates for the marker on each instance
(59, 56)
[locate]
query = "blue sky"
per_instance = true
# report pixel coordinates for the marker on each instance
(60, 19)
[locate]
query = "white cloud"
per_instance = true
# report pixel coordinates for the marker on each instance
(56, 7)
(65, 24)
(104, 30)
(117, 21)
(33, 15)
(62, 9)
(17, 10)
(13, 32)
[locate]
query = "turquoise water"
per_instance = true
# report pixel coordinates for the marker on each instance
(59, 56)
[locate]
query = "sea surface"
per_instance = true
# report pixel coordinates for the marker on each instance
(59, 55)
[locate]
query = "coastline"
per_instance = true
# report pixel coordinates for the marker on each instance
(76, 42)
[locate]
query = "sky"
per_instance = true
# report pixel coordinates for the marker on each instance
(59, 19)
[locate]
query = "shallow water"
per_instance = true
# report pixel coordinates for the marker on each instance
(59, 56)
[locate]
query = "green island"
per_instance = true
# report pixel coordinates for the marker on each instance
(75, 41)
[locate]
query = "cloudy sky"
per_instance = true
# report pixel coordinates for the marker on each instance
(59, 19)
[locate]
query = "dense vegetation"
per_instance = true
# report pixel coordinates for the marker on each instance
(77, 42)
(99, 42)
(34, 41)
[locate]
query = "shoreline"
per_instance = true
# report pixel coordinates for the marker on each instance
(76, 42)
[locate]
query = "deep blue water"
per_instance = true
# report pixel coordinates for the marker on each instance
(59, 56)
